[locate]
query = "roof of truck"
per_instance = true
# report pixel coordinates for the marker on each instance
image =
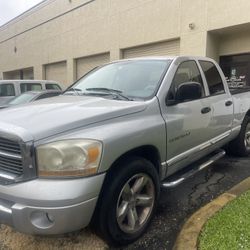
(164, 58)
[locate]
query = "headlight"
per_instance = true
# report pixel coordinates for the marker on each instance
(69, 158)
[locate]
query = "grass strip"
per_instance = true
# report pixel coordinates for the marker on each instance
(229, 229)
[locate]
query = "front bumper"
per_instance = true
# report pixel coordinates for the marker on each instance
(50, 206)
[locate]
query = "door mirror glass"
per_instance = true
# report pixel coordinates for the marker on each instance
(188, 91)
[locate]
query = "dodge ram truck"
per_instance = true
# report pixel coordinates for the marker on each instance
(100, 153)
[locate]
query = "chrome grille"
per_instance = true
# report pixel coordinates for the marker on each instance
(10, 157)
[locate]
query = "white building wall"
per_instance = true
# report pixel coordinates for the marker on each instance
(63, 30)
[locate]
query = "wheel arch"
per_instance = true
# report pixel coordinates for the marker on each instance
(247, 113)
(148, 152)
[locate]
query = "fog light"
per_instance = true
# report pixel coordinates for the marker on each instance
(42, 220)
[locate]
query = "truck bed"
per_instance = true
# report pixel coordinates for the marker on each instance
(238, 90)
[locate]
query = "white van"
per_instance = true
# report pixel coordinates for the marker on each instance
(11, 88)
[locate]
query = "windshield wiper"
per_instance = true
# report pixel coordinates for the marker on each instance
(115, 92)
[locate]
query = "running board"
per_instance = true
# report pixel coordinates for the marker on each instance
(177, 178)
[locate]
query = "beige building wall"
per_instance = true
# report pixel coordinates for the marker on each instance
(63, 30)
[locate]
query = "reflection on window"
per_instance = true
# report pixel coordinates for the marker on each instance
(213, 77)
(186, 72)
(133, 78)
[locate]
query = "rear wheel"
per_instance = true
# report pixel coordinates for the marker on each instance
(127, 204)
(241, 145)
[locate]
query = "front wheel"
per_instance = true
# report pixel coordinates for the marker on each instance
(128, 201)
(241, 145)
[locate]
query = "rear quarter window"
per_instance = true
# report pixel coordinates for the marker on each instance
(52, 86)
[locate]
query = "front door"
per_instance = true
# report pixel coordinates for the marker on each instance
(188, 122)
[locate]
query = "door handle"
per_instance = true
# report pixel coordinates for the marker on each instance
(205, 110)
(228, 103)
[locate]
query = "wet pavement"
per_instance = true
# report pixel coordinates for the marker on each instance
(177, 204)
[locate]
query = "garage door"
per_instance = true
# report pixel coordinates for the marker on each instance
(167, 48)
(28, 73)
(56, 72)
(85, 64)
(12, 75)
(19, 74)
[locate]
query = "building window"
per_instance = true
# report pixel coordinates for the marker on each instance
(236, 69)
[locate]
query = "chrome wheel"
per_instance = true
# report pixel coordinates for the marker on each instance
(135, 203)
(247, 137)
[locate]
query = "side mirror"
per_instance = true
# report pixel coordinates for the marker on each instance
(188, 91)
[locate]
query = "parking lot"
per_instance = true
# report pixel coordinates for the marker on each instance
(176, 205)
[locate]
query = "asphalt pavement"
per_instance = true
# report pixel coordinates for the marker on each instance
(178, 204)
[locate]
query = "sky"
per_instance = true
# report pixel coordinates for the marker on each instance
(12, 8)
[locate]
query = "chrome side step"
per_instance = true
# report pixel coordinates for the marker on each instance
(177, 178)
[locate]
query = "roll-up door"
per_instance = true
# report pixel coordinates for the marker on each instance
(56, 72)
(19, 74)
(28, 73)
(167, 48)
(85, 64)
(12, 75)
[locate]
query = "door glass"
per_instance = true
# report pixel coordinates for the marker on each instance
(214, 81)
(7, 90)
(30, 87)
(187, 72)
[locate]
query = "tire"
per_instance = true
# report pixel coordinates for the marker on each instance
(241, 145)
(118, 201)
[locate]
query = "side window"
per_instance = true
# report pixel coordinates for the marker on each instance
(7, 89)
(187, 72)
(52, 86)
(213, 77)
(47, 95)
(30, 87)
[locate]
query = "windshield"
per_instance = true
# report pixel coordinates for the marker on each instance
(23, 98)
(134, 79)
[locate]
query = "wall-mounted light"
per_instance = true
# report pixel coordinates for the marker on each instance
(191, 26)
(15, 49)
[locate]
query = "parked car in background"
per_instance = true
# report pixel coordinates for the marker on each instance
(31, 96)
(11, 88)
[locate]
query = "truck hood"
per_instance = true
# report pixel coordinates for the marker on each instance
(55, 115)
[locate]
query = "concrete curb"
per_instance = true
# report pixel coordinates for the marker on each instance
(188, 237)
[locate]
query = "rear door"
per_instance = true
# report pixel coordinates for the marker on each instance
(220, 100)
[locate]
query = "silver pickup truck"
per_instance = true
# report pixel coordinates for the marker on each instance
(102, 151)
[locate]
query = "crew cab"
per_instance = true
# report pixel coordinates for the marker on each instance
(102, 151)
